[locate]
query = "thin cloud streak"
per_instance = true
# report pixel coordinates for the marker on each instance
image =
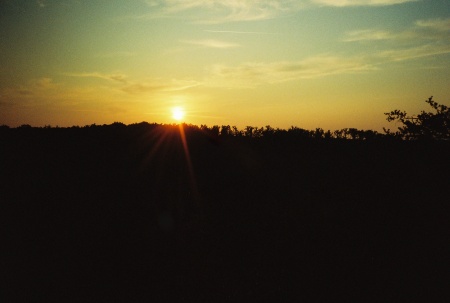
(113, 77)
(415, 52)
(30, 90)
(369, 35)
(159, 85)
(140, 87)
(222, 11)
(253, 74)
(380, 35)
(117, 54)
(431, 29)
(212, 43)
(344, 3)
(240, 32)
(435, 24)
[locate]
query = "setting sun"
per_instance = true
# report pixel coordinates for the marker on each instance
(178, 113)
(238, 63)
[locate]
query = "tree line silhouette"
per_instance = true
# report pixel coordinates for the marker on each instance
(425, 126)
(141, 212)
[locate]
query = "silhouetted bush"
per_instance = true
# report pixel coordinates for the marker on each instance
(425, 126)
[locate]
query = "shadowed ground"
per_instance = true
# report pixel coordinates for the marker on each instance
(117, 213)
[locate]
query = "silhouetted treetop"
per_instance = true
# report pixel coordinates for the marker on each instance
(426, 125)
(214, 132)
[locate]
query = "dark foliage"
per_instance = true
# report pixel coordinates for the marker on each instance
(425, 126)
(249, 132)
(127, 214)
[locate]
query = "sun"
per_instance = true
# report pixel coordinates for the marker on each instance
(178, 113)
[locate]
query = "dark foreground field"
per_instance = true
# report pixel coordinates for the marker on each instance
(118, 214)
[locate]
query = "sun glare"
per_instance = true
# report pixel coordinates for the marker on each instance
(178, 113)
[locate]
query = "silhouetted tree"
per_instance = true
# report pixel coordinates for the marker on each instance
(269, 131)
(236, 131)
(225, 130)
(426, 125)
(118, 125)
(318, 133)
(299, 132)
(258, 132)
(248, 131)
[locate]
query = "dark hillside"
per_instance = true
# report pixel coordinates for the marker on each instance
(119, 213)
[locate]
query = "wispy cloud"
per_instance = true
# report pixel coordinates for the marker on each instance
(116, 54)
(343, 3)
(159, 85)
(41, 3)
(138, 87)
(426, 38)
(253, 73)
(415, 52)
(29, 92)
(431, 29)
(367, 35)
(212, 43)
(240, 32)
(113, 77)
(377, 35)
(435, 24)
(223, 11)
(36, 86)
(220, 11)
(44, 83)
(44, 101)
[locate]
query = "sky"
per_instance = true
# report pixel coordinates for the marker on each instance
(331, 64)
